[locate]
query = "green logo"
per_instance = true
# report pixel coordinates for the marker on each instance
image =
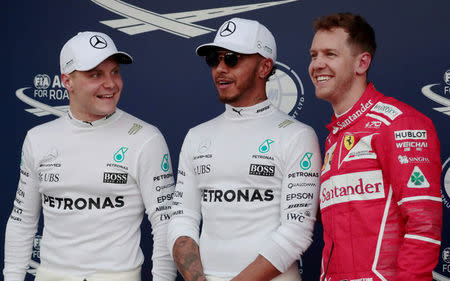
(165, 163)
(417, 178)
(305, 163)
(120, 154)
(265, 146)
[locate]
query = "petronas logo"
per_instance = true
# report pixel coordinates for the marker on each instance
(305, 163)
(418, 179)
(165, 163)
(120, 154)
(265, 146)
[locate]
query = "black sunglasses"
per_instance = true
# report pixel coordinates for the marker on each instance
(213, 59)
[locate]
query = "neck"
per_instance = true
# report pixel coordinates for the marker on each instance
(85, 116)
(346, 101)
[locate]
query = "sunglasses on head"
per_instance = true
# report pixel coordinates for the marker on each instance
(213, 58)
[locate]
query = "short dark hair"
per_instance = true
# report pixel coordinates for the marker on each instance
(361, 34)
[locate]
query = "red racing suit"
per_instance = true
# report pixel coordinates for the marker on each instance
(380, 195)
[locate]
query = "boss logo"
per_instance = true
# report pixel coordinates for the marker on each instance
(262, 170)
(117, 178)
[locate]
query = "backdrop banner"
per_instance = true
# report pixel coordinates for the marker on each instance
(169, 86)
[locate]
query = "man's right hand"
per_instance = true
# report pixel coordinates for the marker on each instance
(186, 255)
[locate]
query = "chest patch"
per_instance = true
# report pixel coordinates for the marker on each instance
(356, 147)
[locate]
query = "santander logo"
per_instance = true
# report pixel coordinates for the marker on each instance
(352, 187)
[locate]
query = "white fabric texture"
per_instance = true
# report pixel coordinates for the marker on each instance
(44, 274)
(290, 275)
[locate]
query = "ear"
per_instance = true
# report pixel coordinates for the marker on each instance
(67, 81)
(265, 68)
(363, 63)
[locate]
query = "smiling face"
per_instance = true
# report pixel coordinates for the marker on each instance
(96, 92)
(333, 64)
(244, 83)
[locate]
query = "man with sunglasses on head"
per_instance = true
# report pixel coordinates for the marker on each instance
(93, 172)
(250, 176)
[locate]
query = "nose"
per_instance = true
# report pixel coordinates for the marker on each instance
(317, 63)
(222, 66)
(109, 81)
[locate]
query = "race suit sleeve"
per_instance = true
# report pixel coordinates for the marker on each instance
(155, 180)
(185, 220)
(299, 200)
(23, 221)
(415, 175)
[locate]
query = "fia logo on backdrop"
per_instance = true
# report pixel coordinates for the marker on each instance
(440, 93)
(47, 96)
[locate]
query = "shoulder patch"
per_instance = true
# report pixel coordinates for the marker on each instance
(387, 109)
(134, 129)
(285, 123)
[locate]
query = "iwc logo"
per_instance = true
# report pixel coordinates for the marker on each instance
(437, 92)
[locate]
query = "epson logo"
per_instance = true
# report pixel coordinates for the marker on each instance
(117, 178)
(262, 170)
(410, 135)
(300, 195)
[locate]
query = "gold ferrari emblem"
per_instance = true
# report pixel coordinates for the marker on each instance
(349, 141)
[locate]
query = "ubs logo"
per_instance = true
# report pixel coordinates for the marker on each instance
(202, 169)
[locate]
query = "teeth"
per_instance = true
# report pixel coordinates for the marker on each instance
(323, 78)
(107, 96)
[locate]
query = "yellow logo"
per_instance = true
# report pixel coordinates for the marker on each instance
(349, 141)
